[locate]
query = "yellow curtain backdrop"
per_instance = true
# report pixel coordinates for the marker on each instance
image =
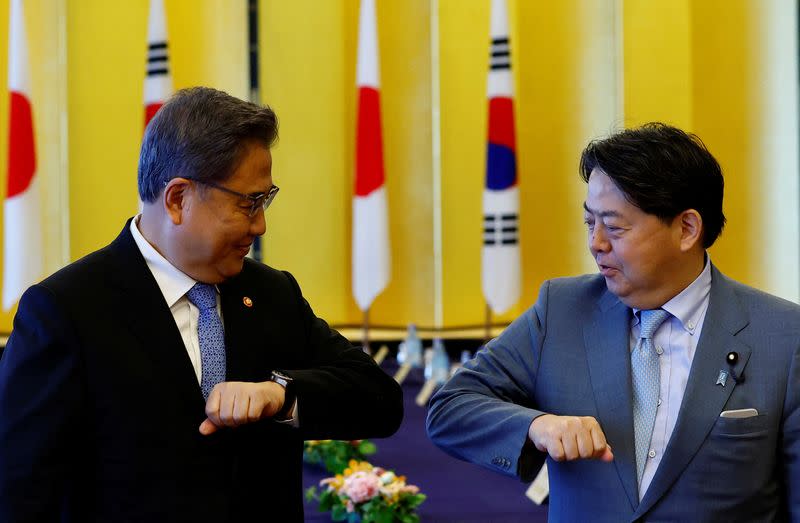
(724, 69)
(46, 31)
(563, 57)
(308, 72)
(728, 71)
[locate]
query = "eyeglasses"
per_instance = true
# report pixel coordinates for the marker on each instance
(257, 201)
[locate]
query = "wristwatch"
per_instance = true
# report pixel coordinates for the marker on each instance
(289, 396)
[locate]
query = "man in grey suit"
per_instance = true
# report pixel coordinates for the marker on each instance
(657, 390)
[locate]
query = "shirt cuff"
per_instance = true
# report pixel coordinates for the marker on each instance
(292, 418)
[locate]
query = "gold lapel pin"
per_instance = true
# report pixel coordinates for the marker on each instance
(247, 301)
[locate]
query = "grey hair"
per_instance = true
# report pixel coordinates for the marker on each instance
(200, 133)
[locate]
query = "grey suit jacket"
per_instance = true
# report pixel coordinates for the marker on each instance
(569, 355)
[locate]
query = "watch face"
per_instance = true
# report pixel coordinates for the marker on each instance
(280, 378)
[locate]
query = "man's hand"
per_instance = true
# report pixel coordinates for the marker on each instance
(567, 438)
(234, 403)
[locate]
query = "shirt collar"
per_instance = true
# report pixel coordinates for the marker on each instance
(689, 304)
(172, 282)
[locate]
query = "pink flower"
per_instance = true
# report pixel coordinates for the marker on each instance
(361, 486)
(349, 506)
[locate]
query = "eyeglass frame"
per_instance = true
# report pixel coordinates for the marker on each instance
(265, 197)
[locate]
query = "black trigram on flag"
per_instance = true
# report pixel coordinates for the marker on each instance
(500, 229)
(499, 54)
(157, 80)
(157, 63)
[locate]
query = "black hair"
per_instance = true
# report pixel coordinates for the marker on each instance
(663, 171)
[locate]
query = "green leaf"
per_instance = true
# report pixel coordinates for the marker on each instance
(367, 448)
(327, 500)
(330, 464)
(384, 515)
(311, 494)
(415, 500)
(339, 513)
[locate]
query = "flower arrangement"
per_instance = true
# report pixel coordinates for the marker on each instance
(366, 494)
(334, 455)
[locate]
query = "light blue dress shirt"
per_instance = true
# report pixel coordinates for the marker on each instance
(676, 343)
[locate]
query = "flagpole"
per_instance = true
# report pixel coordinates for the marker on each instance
(436, 169)
(256, 252)
(365, 332)
(487, 333)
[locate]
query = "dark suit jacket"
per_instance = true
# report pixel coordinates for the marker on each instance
(100, 405)
(569, 355)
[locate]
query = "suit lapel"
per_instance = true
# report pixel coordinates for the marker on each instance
(245, 314)
(703, 398)
(606, 336)
(151, 322)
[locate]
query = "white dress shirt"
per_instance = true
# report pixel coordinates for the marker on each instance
(174, 285)
(676, 342)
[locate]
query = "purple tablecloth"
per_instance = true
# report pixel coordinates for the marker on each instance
(458, 492)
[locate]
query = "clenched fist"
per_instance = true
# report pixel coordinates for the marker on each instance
(234, 403)
(567, 438)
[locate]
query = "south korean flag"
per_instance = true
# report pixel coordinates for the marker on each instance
(500, 265)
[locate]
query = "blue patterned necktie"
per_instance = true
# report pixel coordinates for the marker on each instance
(210, 334)
(646, 375)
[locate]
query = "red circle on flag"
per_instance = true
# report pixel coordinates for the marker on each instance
(21, 151)
(369, 143)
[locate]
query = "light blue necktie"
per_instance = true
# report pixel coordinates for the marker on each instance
(211, 336)
(646, 374)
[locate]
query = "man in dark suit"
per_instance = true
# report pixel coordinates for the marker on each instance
(167, 377)
(657, 390)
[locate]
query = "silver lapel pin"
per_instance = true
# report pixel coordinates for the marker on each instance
(722, 378)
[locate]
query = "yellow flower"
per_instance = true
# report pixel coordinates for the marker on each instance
(358, 466)
(335, 483)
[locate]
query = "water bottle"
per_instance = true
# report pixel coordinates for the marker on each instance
(411, 349)
(440, 362)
